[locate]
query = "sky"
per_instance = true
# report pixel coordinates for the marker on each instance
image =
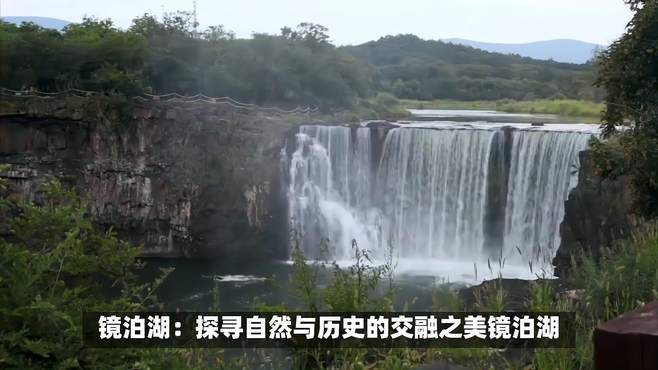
(358, 21)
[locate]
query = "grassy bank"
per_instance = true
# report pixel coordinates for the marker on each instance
(562, 107)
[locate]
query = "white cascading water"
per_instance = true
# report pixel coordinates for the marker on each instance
(329, 189)
(544, 169)
(460, 195)
(433, 186)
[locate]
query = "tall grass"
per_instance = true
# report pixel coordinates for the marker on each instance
(360, 287)
(623, 277)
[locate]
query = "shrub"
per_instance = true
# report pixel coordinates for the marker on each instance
(53, 266)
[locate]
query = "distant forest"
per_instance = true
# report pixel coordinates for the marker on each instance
(297, 66)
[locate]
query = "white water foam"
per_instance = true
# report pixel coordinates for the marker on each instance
(447, 198)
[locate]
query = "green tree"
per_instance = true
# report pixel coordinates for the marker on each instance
(629, 74)
(312, 33)
(298, 67)
(448, 71)
(53, 266)
(217, 33)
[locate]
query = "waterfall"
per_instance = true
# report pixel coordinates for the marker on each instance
(439, 194)
(329, 192)
(544, 169)
(432, 183)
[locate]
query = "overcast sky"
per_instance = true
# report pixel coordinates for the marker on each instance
(358, 21)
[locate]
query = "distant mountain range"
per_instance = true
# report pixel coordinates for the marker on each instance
(44, 22)
(563, 50)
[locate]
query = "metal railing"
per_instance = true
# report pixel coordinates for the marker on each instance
(171, 97)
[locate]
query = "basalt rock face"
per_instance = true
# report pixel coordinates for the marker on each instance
(186, 179)
(597, 213)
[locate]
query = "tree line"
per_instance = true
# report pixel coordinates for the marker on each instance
(297, 66)
(629, 75)
(413, 68)
(167, 56)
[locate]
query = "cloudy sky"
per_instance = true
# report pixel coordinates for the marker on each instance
(357, 21)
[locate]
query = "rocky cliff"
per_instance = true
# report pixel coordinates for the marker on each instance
(597, 212)
(182, 179)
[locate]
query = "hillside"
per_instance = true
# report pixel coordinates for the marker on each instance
(413, 68)
(565, 50)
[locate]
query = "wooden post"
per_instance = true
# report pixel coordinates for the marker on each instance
(629, 341)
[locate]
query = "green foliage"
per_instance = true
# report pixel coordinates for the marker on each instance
(542, 299)
(624, 277)
(50, 61)
(352, 289)
(381, 106)
(305, 278)
(53, 266)
(300, 67)
(413, 68)
(491, 297)
(385, 100)
(446, 299)
(360, 287)
(561, 107)
(313, 35)
(357, 288)
(218, 33)
(587, 110)
(553, 359)
(541, 296)
(608, 157)
(629, 74)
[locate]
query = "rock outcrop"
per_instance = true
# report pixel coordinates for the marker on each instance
(182, 179)
(597, 213)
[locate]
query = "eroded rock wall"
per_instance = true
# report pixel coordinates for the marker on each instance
(186, 179)
(597, 213)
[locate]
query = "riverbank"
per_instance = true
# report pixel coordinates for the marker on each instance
(587, 111)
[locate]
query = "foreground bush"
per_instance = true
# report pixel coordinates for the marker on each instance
(53, 266)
